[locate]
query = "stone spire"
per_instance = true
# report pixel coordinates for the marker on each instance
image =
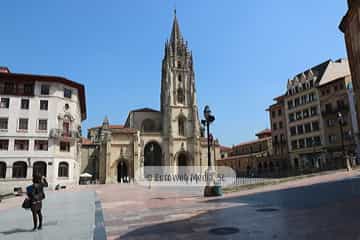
(175, 32)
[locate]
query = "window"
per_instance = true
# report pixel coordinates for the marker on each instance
(328, 108)
(4, 144)
(298, 116)
(330, 122)
(3, 123)
(181, 123)
(309, 142)
(300, 129)
(273, 114)
(179, 78)
(340, 104)
(9, 88)
(297, 102)
(294, 144)
(24, 104)
(332, 138)
(313, 111)
(290, 104)
(315, 126)
(280, 124)
(64, 146)
(39, 169)
(293, 131)
(41, 145)
(19, 170)
(276, 139)
(180, 95)
(23, 124)
(178, 64)
(4, 103)
(304, 99)
(67, 93)
(311, 97)
(307, 127)
(2, 170)
(21, 145)
(279, 112)
(66, 129)
(42, 124)
(28, 89)
(45, 89)
(306, 113)
(274, 126)
(291, 117)
(317, 141)
(44, 105)
(282, 138)
(301, 143)
(63, 169)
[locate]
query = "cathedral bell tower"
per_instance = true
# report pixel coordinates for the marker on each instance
(180, 121)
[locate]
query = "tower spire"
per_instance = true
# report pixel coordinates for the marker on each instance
(175, 32)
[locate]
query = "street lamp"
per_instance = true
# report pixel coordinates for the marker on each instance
(341, 123)
(209, 188)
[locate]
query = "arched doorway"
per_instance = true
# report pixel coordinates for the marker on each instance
(152, 158)
(183, 163)
(122, 172)
(40, 169)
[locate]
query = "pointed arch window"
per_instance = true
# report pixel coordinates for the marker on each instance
(180, 95)
(181, 123)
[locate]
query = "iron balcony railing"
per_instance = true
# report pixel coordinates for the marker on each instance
(61, 133)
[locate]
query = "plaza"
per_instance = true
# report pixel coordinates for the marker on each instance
(130, 211)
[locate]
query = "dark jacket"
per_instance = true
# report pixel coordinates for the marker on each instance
(37, 193)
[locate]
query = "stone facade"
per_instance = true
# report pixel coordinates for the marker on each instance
(278, 125)
(169, 137)
(350, 26)
(40, 129)
(312, 101)
(336, 97)
(251, 158)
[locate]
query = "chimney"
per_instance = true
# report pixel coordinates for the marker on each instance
(4, 70)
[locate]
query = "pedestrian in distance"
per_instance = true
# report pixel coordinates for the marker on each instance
(36, 194)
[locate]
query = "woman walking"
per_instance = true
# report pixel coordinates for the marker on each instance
(36, 195)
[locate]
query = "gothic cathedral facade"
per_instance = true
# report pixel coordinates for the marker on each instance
(169, 137)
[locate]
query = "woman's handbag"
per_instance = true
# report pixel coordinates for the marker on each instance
(26, 204)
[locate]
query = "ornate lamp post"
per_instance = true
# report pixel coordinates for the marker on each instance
(341, 123)
(210, 188)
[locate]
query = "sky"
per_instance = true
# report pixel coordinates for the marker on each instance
(244, 51)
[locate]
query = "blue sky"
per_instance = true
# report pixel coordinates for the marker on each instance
(244, 51)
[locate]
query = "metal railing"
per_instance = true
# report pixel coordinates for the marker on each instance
(61, 133)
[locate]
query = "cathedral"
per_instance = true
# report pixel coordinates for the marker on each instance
(171, 137)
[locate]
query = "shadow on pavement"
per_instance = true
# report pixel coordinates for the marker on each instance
(15, 230)
(320, 211)
(311, 196)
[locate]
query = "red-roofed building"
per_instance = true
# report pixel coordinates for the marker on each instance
(251, 157)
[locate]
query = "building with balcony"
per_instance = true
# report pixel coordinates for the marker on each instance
(307, 116)
(40, 129)
(336, 98)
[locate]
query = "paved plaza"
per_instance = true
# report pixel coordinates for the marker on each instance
(322, 207)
